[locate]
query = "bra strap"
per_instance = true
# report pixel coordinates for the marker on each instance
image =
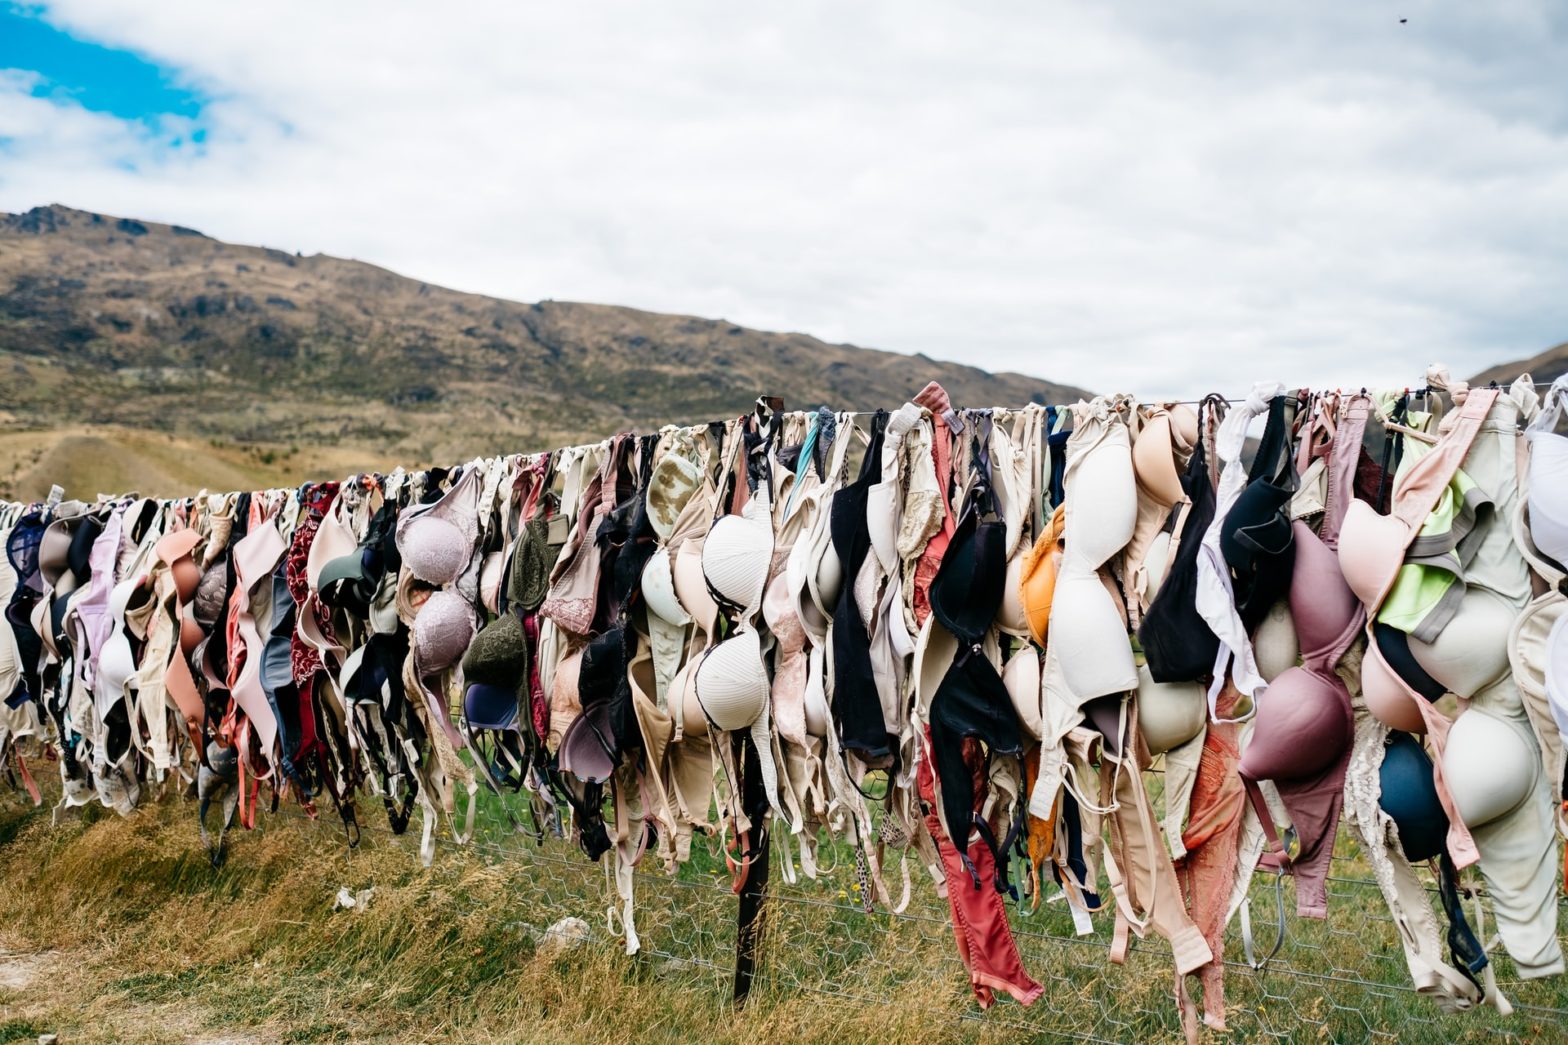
(1342, 460)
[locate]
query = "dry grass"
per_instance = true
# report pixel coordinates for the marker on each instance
(88, 460)
(119, 930)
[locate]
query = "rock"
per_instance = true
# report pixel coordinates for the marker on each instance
(565, 935)
(48, 1039)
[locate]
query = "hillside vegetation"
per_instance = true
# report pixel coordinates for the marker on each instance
(158, 328)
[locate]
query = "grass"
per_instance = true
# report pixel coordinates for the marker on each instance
(134, 937)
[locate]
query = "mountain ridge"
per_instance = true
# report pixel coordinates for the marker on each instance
(109, 320)
(1544, 366)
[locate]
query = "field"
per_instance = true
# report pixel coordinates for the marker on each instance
(119, 930)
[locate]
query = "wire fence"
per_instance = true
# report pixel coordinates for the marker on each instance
(1342, 979)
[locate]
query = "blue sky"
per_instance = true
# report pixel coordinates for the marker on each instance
(1142, 196)
(97, 77)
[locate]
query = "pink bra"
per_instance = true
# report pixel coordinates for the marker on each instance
(1305, 727)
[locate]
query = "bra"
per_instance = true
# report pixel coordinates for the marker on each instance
(971, 700)
(1304, 726)
(1090, 630)
(1372, 550)
(1178, 645)
(1154, 452)
(1548, 495)
(857, 709)
(437, 540)
(1037, 584)
(1256, 536)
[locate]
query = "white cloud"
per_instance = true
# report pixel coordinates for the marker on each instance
(1166, 198)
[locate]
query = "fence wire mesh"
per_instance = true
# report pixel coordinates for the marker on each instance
(1342, 979)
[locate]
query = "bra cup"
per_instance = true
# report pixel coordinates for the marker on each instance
(1274, 644)
(1386, 696)
(1105, 512)
(1408, 794)
(1488, 766)
(1302, 728)
(684, 695)
(1322, 606)
(190, 633)
(735, 558)
(1021, 676)
(797, 568)
(1371, 549)
(691, 586)
(1096, 658)
(658, 589)
(1038, 582)
(1471, 652)
(442, 631)
(1012, 618)
(490, 574)
(434, 549)
(187, 577)
(1154, 464)
(935, 648)
(1169, 713)
(732, 681)
(1156, 561)
(116, 665)
(565, 703)
(881, 522)
(675, 479)
(829, 578)
(1548, 495)
(817, 715)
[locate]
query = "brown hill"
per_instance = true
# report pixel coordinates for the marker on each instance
(118, 322)
(1547, 366)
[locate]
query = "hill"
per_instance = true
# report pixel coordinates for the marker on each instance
(159, 328)
(1547, 366)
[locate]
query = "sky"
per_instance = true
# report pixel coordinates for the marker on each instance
(1138, 196)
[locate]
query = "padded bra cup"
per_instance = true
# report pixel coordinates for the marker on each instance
(1302, 729)
(735, 556)
(190, 633)
(1322, 606)
(187, 575)
(1275, 645)
(1548, 496)
(115, 666)
(1256, 539)
(1105, 510)
(1304, 723)
(1371, 549)
(1488, 767)
(1471, 652)
(1169, 713)
(1380, 684)
(691, 585)
(1096, 656)
(1155, 465)
(732, 681)
(1409, 795)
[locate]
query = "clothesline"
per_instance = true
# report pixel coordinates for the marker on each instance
(1423, 392)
